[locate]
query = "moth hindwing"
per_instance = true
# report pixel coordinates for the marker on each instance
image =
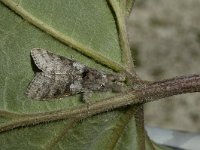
(60, 76)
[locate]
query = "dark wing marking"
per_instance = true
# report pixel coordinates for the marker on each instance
(48, 86)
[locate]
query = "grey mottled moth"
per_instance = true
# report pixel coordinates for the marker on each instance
(60, 76)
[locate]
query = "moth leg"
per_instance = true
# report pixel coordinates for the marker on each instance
(86, 96)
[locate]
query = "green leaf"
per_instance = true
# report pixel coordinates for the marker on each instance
(83, 29)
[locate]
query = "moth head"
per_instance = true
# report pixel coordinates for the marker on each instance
(117, 82)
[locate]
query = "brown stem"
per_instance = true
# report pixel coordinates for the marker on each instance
(170, 87)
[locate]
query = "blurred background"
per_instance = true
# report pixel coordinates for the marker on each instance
(165, 40)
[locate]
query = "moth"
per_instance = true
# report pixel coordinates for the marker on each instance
(59, 77)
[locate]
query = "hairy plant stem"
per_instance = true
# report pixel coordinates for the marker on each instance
(170, 87)
(142, 94)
